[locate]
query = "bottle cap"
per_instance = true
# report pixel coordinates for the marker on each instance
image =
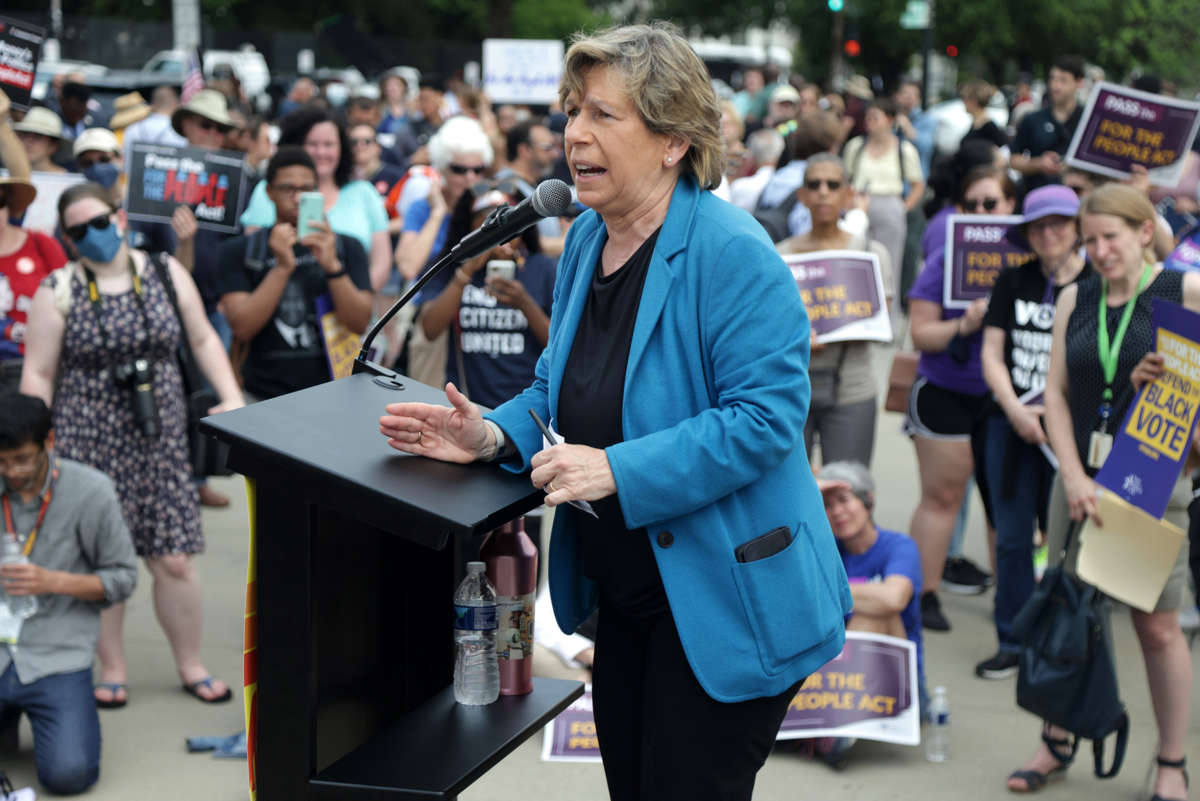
(476, 567)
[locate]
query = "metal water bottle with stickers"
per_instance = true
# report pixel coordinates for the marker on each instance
(476, 674)
(512, 567)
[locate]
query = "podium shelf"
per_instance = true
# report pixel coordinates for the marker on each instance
(440, 748)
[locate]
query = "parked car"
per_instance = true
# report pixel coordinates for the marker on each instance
(247, 64)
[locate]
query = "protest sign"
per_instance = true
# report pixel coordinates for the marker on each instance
(868, 691)
(211, 182)
(571, 737)
(1186, 255)
(1121, 127)
(843, 293)
(20, 46)
(976, 251)
(341, 344)
(1150, 447)
(522, 70)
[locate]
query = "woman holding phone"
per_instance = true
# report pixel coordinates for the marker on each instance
(498, 303)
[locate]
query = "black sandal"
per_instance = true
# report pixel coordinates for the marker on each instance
(1036, 780)
(1171, 763)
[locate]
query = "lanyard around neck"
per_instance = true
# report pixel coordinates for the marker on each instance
(1110, 354)
(8, 516)
(97, 304)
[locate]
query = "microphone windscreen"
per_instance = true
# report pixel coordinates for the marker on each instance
(551, 198)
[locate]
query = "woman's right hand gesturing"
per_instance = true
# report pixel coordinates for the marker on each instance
(456, 434)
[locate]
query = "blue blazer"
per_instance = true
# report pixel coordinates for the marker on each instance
(716, 396)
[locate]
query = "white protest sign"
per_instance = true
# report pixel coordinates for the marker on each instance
(522, 70)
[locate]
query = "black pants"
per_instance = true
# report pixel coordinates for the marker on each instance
(661, 736)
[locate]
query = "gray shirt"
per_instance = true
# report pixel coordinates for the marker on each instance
(84, 532)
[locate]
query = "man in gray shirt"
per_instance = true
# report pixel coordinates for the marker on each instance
(66, 519)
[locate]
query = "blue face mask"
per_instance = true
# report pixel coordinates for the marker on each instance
(104, 173)
(101, 245)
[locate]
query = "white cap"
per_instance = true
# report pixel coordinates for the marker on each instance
(100, 139)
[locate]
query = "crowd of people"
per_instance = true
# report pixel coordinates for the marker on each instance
(681, 185)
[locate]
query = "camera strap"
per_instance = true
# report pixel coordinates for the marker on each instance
(97, 304)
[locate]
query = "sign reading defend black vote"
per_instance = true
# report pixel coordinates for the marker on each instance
(212, 183)
(20, 46)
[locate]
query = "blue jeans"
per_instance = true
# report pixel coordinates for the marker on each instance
(66, 727)
(1019, 480)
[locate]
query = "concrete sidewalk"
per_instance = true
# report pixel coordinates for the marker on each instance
(144, 755)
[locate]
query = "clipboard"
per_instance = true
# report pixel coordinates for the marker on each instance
(1130, 557)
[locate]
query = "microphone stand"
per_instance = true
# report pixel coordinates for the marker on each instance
(390, 378)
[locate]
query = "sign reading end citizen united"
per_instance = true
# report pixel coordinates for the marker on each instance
(1121, 127)
(843, 294)
(20, 46)
(210, 182)
(976, 251)
(1154, 440)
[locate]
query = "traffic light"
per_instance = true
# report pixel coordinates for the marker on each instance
(835, 5)
(952, 51)
(852, 48)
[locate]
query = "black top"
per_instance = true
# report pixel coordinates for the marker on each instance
(589, 413)
(1021, 307)
(989, 132)
(156, 237)
(1039, 132)
(1085, 378)
(289, 352)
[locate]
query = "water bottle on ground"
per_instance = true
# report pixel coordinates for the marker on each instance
(20, 606)
(937, 742)
(476, 672)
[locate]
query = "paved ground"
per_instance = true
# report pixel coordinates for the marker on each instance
(144, 756)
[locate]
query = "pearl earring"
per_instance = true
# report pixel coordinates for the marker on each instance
(668, 161)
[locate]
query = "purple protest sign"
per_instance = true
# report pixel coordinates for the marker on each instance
(843, 293)
(1149, 449)
(571, 737)
(976, 251)
(1186, 255)
(1121, 127)
(867, 691)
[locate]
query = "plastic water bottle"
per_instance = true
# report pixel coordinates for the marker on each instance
(476, 672)
(20, 606)
(937, 744)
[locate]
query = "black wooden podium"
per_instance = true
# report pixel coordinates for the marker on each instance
(360, 549)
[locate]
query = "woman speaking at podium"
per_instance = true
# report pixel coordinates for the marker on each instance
(677, 371)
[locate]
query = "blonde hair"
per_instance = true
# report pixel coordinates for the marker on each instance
(665, 80)
(1125, 202)
(979, 91)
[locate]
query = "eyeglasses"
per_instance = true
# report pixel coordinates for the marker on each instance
(21, 461)
(292, 189)
(463, 169)
(988, 204)
(816, 184)
(99, 222)
(357, 142)
(544, 146)
(1078, 190)
(103, 158)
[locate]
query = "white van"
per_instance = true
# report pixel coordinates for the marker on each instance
(247, 63)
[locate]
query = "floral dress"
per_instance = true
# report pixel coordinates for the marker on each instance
(93, 415)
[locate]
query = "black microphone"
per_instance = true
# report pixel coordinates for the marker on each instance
(550, 199)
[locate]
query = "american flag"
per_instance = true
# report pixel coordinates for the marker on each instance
(193, 81)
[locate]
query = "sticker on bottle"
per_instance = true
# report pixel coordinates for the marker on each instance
(514, 632)
(474, 618)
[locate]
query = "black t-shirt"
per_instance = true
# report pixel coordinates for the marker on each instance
(386, 177)
(157, 237)
(589, 413)
(989, 132)
(1021, 307)
(288, 353)
(1039, 132)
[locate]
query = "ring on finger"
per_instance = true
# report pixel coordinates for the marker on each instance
(419, 435)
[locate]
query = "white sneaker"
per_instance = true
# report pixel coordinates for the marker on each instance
(1189, 619)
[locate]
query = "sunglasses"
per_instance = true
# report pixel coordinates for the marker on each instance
(209, 125)
(504, 187)
(3, 199)
(99, 222)
(988, 204)
(463, 169)
(815, 185)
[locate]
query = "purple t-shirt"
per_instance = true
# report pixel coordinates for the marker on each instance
(893, 554)
(941, 369)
